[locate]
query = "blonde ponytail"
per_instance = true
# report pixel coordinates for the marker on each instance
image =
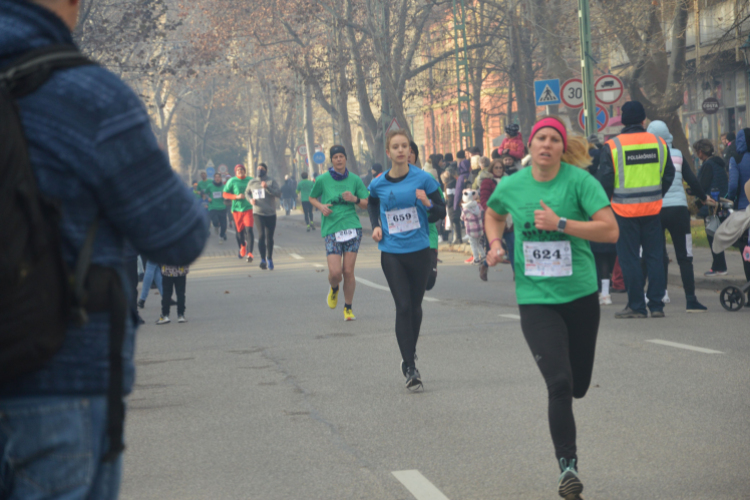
(577, 152)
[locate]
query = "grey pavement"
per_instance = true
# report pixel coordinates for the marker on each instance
(268, 394)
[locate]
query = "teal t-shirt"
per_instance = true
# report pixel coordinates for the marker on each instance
(574, 194)
(237, 186)
(203, 185)
(214, 194)
(344, 214)
(303, 188)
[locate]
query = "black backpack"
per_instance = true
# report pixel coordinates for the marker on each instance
(39, 295)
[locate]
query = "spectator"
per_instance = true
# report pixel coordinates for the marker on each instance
(448, 158)
(173, 277)
(471, 215)
(58, 419)
(484, 172)
(730, 147)
(152, 275)
(287, 194)
(739, 175)
(450, 177)
(513, 143)
(713, 179)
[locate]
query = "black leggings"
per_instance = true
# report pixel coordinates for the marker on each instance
(677, 221)
(219, 219)
(308, 209)
(562, 338)
(407, 275)
(605, 263)
(433, 269)
(266, 225)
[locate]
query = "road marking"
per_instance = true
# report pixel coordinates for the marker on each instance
(684, 346)
(296, 256)
(318, 265)
(510, 316)
(386, 289)
(418, 485)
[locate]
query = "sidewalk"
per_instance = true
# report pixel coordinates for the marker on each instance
(701, 263)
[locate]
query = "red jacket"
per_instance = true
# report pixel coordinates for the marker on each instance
(514, 145)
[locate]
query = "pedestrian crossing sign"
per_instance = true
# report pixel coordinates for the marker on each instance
(547, 92)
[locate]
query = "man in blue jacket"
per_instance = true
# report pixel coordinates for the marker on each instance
(91, 148)
(739, 175)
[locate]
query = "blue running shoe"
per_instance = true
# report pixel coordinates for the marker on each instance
(569, 486)
(270, 265)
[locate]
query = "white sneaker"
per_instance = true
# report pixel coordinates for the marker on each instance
(163, 320)
(181, 319)
(605, 300)
(666, 299)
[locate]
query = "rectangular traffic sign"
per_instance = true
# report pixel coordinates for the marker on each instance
(547, 92)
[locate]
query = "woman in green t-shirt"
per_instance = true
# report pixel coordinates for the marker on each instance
(557, 209)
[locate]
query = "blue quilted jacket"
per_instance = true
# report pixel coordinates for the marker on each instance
(92, 148)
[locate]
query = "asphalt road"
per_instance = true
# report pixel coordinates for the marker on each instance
(268, 394)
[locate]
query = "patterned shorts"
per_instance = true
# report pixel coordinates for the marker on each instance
(334, 247)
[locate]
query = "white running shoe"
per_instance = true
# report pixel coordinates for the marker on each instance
(163, 320)
(666, 299)
(605, 300)
(181, 319)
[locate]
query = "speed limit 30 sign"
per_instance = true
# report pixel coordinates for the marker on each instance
(572, 93)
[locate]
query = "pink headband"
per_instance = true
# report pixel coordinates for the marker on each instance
(552, 123)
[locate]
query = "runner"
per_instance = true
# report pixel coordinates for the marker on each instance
(262, 193)
(402, 204)
(303, 188)
(336, 194)
(242, 211)
(217, 210)
(204, 183)
(551, 204)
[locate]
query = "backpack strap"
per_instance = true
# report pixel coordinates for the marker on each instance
(31, 70)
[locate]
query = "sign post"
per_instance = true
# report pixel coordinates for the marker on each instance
(587, 71)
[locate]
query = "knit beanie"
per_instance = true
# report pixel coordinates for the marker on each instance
(336, 150)
(633, 113)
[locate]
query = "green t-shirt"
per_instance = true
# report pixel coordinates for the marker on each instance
(433, 229)
(237, 186)
(574, 194)
(214, 193)
(203, 185)
(344, 214)
(303, 188)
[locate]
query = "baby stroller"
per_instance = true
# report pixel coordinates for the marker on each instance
(732, 231)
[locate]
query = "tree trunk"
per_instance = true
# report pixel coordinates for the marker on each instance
(307, 111)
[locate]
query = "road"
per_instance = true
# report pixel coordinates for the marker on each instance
(267, 394)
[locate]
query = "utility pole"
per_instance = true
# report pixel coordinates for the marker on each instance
(462, 74)
(587, 70)
(384, 108)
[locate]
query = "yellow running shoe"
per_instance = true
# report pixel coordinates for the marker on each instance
(348, 314)
(333, 298)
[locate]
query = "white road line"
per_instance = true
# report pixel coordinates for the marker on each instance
(684, 346)
(318, 265)
(418, 485)
(510, 316)
(386, 289)
(296, 256)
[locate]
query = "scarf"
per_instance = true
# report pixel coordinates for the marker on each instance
(337, 176)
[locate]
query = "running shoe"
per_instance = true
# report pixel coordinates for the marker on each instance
(333, 298)
(693, 306)
(413, 379)
(470, 260)
(629, 313)
(348, 314)
(666, 298)
(221, 241)
(657, 314)
(270, 264)
(181, 319)
(711, 272)
(483, 271)
(308, 228)
(141, 303)
(263, 264)
(243, 251)
(163, 320)
(569, 486)
(249, 257)
(605, 300)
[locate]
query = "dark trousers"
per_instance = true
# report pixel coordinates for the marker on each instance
(605, 263)
(407, 275)
(562, 338)
(719, 259)
(308, 209)
(266, 226)
(676, 220)
(178, 284)
(455, 218)
(646, 232)
(219, 219)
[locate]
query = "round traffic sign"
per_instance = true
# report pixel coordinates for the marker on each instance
(210, 171)
(302, 150)
(572, 93)
(602, 118)
(223, 169)
(608, 89)
(319, 157)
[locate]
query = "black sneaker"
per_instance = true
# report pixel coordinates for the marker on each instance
(141, 303)
(413, 378)
(569, 485)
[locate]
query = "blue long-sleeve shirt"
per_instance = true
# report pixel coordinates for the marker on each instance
(739, 174)
(92, 148)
